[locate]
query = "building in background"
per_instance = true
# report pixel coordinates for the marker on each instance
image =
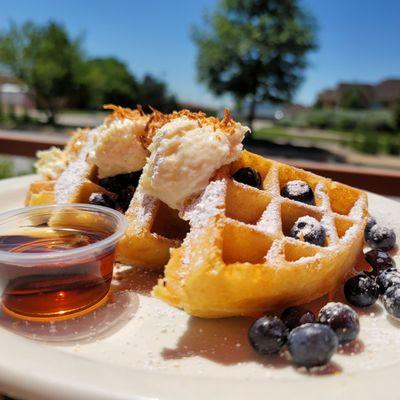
(14, 95)
(380, 95)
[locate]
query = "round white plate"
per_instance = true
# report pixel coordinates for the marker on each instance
(136, 347)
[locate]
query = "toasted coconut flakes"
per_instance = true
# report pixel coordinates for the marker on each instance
(122, 113)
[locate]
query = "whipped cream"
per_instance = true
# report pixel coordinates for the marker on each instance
(51, 163)
(185, 155)
(118, 148)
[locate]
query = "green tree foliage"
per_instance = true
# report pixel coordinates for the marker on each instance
(255, 50)
(58, 74)
(46, 59)
(396, 115)
(108, 80)
(154, 92)
(354, 99)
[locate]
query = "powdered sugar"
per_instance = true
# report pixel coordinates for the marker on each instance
(270, 221)
(199, 214)
(357, 211)
(322, 197)
(212, 202)
(70, 180)
(207, 205)
(144, 210)
(297, 187)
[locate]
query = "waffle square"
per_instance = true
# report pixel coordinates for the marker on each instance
(153, 228)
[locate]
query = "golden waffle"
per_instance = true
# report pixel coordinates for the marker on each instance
(237, 258)
(42, 191)
(74, 185)
(153, 226)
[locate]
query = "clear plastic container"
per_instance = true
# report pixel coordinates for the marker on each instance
(56, 261)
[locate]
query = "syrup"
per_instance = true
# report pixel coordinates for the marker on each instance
(49, 289)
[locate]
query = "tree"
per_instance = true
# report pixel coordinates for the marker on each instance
(108, 80)
(255, 50)
(354, 98)
(153, 91)
(46, 59)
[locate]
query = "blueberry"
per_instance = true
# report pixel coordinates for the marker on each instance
(102, 199)
(312, 345)
(391, 301)
(298, 191)
(119, 182)
(309, 230)
(124, 198)
(267, 335)
(381, 237)
(361, 291)
(371, 221)
(295, 316)
(379, 261)
(248, 176)
(112, 183)
(132, 179)
(342, 319)
(388, 278)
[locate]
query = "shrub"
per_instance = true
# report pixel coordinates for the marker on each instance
(320, 119)
(393, 146)
(6, 168)
(11, 114)
(396, 115)
(345, 122)
(25, 118)
(370, 143)
(373, 123)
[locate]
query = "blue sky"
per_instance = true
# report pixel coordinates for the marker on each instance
(359, 39)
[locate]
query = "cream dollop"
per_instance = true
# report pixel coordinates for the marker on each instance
(184, 157)
(118, 148)
(51, 163)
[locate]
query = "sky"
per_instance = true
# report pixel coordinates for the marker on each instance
(358, 39)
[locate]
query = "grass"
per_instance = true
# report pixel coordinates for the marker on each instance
(73, 111)
(379, 120)
(272, 132)
(8, 170)
(279, 132)
(367, 142)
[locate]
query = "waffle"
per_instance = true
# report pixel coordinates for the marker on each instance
(153, 227)
(42, 191)
(76, 182)
(238, 260)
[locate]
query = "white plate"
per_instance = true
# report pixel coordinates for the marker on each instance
(137, 347)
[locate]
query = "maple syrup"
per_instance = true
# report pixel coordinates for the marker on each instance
(55, 289)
